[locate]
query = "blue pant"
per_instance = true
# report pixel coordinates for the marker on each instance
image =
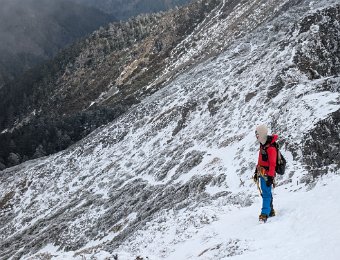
(267, 197)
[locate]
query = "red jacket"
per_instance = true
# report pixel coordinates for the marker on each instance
(267, 156)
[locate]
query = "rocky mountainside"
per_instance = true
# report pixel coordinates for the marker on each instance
(100, 78)
(34, 31)
(123, 9)
(181, 156)
(89, 84)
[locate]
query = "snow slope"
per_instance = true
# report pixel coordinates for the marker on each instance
(171, 179)
(305, 228)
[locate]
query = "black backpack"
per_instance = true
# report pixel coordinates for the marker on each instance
(280, 161)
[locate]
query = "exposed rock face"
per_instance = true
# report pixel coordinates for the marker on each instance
(319, 56)
(321, 146)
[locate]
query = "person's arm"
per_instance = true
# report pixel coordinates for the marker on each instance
(272, 153)
(258, 159)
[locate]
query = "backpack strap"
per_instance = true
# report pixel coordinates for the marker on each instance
(278, 153)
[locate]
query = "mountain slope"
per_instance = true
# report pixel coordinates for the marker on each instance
(179, 163)
(100, 78)
(84, 86)
(214, 231)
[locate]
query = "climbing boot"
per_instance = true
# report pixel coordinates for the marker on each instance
(272, 213)
(263, 218)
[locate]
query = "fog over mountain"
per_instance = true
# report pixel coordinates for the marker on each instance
(123, 9)
(33, 31)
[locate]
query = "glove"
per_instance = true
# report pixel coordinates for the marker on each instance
(269, 181)
(255, 177)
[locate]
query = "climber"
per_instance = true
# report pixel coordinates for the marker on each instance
(265, 170)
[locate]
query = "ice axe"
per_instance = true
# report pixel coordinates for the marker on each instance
(258, 184)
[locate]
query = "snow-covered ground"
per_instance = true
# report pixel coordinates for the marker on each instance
(306, 227)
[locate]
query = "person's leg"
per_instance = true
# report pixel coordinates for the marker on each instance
(266, 197)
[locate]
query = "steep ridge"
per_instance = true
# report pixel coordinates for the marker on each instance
(186, 152)
(100, 78)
